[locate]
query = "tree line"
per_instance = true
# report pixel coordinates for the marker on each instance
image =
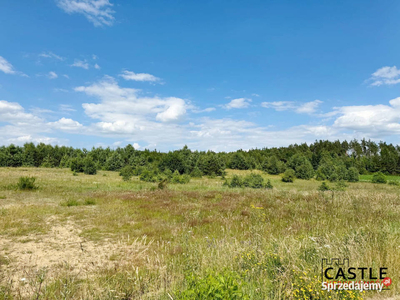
(324, 160)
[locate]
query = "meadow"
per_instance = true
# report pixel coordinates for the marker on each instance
(99, 237)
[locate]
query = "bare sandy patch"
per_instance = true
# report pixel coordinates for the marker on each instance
(64, 247)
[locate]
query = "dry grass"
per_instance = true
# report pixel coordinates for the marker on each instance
(128, 240)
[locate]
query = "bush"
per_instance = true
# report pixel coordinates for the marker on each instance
(239, 162)
(379, 177)
(26, 183)
(77, 164)
(126, 173)
(255, 181)
(269, 185)
(168, 174)
(211, 164)
(305, 171)
(148, 176)
(114, 162)
(302, 166)
(288, 176)
(273, 165)
(182, 179)
(353, 175)
(334, 177)
(89, 167)
(65, 162)
(236, 182)
(174, 161)
(394, 182)
(340, 185)
(196, 173)
(324, 187)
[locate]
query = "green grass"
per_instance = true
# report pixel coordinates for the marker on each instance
(134, 241)
(368, 178)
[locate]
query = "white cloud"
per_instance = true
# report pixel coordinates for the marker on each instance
(305, 108)
(238, 103)
(128, 75)
(94, 56)
(52, 75)
(66, 107)
(66, 76)
(60, 90)
(51, 55)
(31, 139)
(279, 105)
(98, 12)
(65, 124)
(198, 111)
(125, 110)
(80, 64)
(385, 76)
(14, 113)
(308, 107)
(175, 110)
(6, 67)
(96, 66)
(371, 120)
(230, 134)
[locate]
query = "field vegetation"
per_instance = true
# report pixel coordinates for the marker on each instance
(130, 224)
(102, 237)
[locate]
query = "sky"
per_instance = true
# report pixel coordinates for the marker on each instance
(213, 75)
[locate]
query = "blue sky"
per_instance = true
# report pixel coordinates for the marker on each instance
(219, 75)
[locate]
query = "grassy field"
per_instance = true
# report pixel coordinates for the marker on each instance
(98, 237)
(366, 178)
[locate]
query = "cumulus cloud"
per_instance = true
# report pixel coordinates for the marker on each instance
(174, 110)
(385, 76)
(96, 66)
(99, 12)
(238, 103)
(128, 75)
(14, 113)
(65, 124)
(21, 126)
(304, 108)
(6, 67)
(126, 110)
(372, 120)
(80, 64)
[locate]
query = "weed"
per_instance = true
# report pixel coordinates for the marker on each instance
(27, 183)
(70, 202)
(213, 285)
(90, 202)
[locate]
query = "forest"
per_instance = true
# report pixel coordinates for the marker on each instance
(323, 160)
